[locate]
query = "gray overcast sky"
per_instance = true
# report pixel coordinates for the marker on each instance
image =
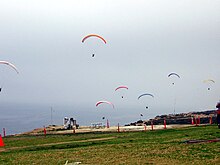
(146, 40)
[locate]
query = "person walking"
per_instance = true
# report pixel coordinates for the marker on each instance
(218, 114)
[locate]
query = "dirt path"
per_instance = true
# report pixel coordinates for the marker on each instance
(50, 144)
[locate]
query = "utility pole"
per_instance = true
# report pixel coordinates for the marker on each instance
(174, 106)
(51, 116)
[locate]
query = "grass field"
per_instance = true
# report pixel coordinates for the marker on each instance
(149, 147)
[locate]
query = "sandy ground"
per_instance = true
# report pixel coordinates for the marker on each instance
(85, 129)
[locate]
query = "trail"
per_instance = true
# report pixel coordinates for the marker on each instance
(50, 144)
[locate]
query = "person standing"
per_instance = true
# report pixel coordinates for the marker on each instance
(218, 114)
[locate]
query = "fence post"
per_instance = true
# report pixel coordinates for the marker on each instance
(199, 120)
(192, 120)
(165, 123)
(145, 127)
(45, 131)
(152, 125)
(196, 120)
(74, 130)
(4, 132)
(118, 128)
(210, 120)
(107, 124)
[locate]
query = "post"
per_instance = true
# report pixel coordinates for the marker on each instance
(107, 124)
(210, 120)
(192, 120)
(165, 123)
(51, 116)
(45, 131)
(196, 121)
(118, 128)
(145, 127)
(152, 125)
(4, 132)
(74, 130)
(174, 106)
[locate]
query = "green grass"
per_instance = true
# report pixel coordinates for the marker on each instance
(150, 147)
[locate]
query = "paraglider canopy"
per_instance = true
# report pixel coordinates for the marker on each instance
(121, 87)
(106, 102)
(145, 94)
(173, 74)
(9, 64)
(209, 81)
(93, 35)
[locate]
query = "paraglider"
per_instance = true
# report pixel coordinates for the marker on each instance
(93, 35)
(96, 36)
(173, 74)
(146, 94)
(121, 87)
(106, 102)
(209, 82)
(9, 64)
(141, 115)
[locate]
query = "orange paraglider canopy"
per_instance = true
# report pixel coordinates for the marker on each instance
(94, 35)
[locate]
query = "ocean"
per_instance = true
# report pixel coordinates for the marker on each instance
(22, 118)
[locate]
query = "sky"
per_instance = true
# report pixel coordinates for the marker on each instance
(146, 40)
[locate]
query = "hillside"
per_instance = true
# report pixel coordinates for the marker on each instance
(182, 118)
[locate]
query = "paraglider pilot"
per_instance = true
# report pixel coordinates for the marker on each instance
(218, 114)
